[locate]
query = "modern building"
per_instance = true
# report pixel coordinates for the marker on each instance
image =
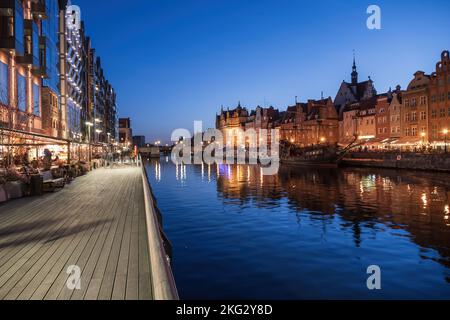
(139, 141)
(125, 132)
(53, 123)
(21, 69)
(45, 83)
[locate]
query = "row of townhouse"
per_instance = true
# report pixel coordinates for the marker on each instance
(53, 90)
(419, 115)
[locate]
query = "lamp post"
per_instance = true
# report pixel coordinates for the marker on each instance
(445, 139)
(319, 129)
(89, 125)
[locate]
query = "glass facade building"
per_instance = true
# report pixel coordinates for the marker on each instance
(50, 28)
(76, 82)
(51, 81)
(36, 100)
(19, 27)
(21, 93)
(4, 84)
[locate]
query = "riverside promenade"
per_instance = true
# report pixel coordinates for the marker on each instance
(99, 224)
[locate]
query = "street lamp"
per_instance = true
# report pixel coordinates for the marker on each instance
(445, 139)
(89, 125)
(423, 134)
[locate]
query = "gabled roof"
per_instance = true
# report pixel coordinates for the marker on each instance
(361, 88)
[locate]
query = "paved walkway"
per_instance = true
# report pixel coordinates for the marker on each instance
(96, 223)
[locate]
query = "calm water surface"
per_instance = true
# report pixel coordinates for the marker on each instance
(305, 233)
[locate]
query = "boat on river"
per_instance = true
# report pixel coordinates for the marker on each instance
(319, 155)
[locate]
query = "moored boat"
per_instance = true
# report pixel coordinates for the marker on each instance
(319, 155)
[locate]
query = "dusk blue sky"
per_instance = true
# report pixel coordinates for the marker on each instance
(173, 62)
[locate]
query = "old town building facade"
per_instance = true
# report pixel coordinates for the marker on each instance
(231, 123)
(439, 93)
(382, 116)
(415, 110)
(416, 117)
(395, 114)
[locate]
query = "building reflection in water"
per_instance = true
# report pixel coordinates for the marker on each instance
(364, 201)
(417, 203)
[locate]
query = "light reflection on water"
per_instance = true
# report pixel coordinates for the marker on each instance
(305, 233)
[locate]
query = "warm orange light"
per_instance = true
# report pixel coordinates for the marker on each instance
(423, 134)
(322, 139)
(445, 131)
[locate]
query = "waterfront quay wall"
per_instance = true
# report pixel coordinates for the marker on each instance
(399, 160)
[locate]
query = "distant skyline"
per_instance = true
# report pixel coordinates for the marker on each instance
(174, 62)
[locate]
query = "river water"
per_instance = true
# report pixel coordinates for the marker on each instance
(306, 233)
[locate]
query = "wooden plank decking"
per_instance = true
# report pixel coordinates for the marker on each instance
(96, 223)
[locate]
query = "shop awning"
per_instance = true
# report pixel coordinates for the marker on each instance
(404, 141)
(23, 138)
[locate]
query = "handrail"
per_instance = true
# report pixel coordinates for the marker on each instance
(163, 282)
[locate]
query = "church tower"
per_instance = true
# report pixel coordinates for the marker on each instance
(354, 72)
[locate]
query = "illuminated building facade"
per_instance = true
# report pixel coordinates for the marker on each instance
(230, 123)
(44, 80)
(125, 132)
(102, 99)
(262, 119)
(439, 88)
(382, 116)
(395, 114)
(415, 110)
(21, 69)
(53, 123)
(311, 123)
(354, 91)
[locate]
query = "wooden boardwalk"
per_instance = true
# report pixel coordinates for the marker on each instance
(96, 223)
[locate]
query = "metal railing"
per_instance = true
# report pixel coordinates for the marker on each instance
(163, 282)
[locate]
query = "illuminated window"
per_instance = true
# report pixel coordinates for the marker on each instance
(423, 115)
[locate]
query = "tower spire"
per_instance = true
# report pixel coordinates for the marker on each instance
(354, 70)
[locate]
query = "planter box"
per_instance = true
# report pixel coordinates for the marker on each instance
(3, 194)
(14, 189)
